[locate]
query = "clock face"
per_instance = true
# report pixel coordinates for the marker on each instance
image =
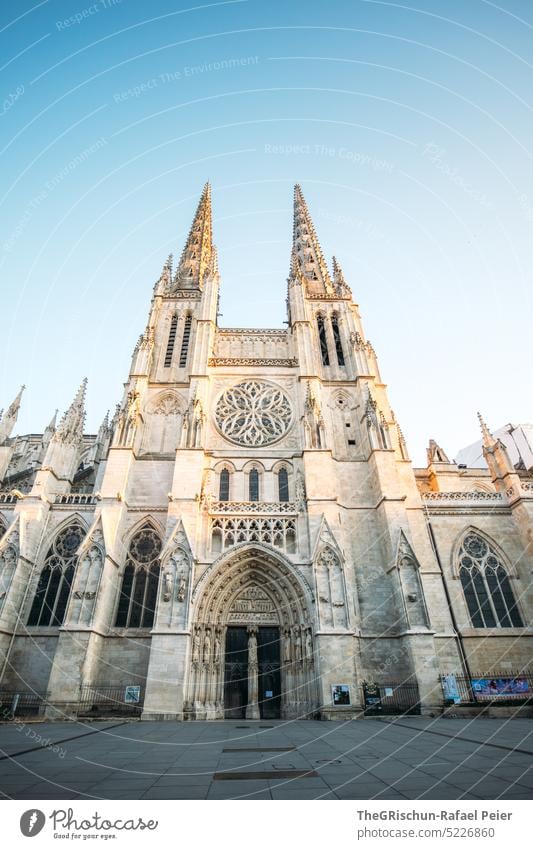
(253, 413)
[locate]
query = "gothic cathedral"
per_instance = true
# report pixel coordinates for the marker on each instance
(247, 537)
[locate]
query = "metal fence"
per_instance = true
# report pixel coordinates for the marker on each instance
(488, 687)
(110, 700)
(24, 704)
(391, 698)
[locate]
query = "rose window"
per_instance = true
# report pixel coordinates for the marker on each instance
(253, 413)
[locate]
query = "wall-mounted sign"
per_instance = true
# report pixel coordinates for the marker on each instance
(340, 694)
(132, 695)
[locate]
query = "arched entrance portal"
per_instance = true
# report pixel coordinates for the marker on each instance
(252, 640)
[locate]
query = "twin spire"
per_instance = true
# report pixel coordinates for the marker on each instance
(199, 253)
(307, 260)
(199, 257)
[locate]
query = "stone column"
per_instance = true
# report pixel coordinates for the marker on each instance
(252, 708)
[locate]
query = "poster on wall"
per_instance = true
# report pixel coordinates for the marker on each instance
(450, 688)
(341, 694)
(490, 688)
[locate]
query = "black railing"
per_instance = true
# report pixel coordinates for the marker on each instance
(488, 688)
(110, 700)
(391, 698)
(21, 704)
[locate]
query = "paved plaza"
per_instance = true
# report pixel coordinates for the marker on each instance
(393, 758)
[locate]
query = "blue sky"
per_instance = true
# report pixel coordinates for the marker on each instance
(408, 127)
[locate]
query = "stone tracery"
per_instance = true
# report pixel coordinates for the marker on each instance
(253, 413)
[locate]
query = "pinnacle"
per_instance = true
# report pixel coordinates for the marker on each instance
(488, 438)
(71, 425)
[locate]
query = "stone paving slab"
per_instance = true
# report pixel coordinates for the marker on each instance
(396, 758)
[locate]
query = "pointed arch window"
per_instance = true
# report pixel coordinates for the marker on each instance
(486, 586)
(171, 341)
(55, 581)
(185, 341)
(337, 339)
(283, 484)
(138, 593)
(253, 485)
(323, 341)
(223, 494)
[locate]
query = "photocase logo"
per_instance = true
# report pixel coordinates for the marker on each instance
(32, 822)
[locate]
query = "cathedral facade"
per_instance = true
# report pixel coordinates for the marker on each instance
(247, 537)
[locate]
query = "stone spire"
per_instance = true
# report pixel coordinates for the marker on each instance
(197, 254)
(9, 419)
(307, 260)
(70, 430)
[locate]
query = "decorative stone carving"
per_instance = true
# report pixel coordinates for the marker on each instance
(331, 592)
(279, 532)
(253, 413)
(253, 605)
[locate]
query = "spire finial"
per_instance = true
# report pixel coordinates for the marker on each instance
(307, 259)
(196, 258)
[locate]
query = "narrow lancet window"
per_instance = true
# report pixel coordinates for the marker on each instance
(171, 341)
(254, 485)
(185, 342)
(283, 485)
(337, 339)
(323, 341)
(223, 494)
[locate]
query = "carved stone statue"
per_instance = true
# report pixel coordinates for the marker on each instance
(287, 646)
(297, 643)
(308, 645)
(217, 650)
(196, 647)
(299, 488)
(181, 587)
(252, 647)
(207, 647)
(167, 591)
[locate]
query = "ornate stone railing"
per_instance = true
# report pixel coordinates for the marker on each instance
(478, 495)
(75, 498)
(7, 498)
(264, 507)
(285, 362)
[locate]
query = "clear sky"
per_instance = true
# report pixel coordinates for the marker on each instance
(409, 128)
